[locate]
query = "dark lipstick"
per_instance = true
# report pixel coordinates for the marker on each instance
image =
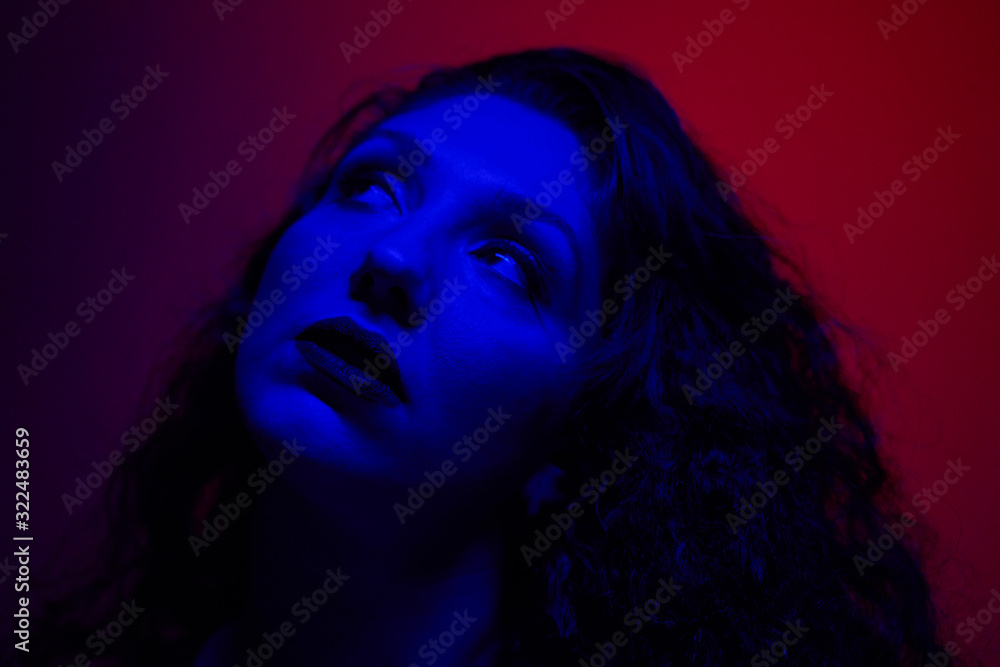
(344, 350)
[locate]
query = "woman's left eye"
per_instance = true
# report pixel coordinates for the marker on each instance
(374, 188)
(513, 262)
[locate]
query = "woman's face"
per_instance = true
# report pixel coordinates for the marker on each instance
(415, 241)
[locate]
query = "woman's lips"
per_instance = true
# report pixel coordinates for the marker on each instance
(358, 358)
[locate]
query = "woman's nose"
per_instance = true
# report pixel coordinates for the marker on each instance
(390, 280)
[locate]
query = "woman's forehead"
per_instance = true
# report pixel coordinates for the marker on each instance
(496, 144)
(494, 132)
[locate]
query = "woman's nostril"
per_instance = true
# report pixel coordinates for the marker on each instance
(365, 283)
(396, 297)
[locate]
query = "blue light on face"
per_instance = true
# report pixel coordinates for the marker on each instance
(457, 307)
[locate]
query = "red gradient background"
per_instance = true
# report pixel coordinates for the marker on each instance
(120, 207)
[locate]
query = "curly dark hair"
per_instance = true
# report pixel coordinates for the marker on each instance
(753, 536)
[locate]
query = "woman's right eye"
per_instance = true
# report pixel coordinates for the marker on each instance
(377, 189)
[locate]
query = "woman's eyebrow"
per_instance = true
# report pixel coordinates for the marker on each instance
(403, 143)
(513, 205)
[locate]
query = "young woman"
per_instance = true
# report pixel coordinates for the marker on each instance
(512, 383)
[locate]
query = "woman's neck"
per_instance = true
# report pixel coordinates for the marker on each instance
(352, 592)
